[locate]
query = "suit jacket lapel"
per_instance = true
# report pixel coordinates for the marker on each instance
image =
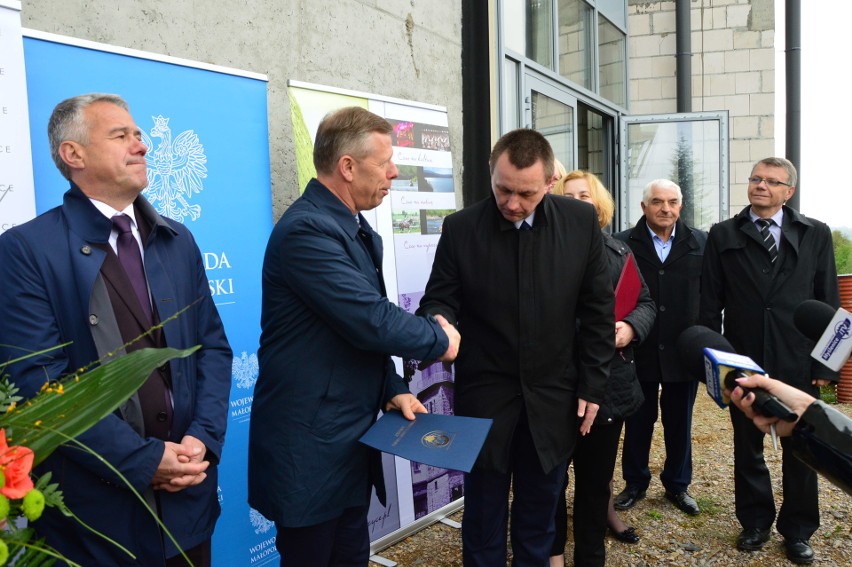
(373, 244)
(791, 233)
(758, 255)
(116, 278)
(683, 243)
(749, 228)
(646, 249)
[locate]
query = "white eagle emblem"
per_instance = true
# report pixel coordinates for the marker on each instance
(260, 524)
(175, 171)
(245, 370)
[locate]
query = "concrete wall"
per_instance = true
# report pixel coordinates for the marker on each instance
(407, 49)
(733, 69)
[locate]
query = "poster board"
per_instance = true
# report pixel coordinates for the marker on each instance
(17, 202)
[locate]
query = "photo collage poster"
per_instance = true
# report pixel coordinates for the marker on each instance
(421, 197)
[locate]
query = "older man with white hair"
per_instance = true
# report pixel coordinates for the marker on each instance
(669, 254)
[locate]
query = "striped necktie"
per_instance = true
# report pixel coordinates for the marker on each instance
(768, 239)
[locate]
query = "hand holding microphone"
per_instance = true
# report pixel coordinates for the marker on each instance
(722, 368)
(705, 353)
(797, 400)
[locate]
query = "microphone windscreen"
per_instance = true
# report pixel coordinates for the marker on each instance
(811, 318)
(690, 348)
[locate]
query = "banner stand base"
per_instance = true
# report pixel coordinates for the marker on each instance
(382, 561)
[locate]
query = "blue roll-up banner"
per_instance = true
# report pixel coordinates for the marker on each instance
(208, 160)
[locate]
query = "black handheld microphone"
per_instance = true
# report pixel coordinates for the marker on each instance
(764, 402)
(707, 354)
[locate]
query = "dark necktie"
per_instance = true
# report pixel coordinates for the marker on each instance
(768, 239)
(131, 260)
(525, 226)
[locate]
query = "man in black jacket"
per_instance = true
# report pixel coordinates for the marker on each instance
(517, 271)
(669, 254)
(758, 267)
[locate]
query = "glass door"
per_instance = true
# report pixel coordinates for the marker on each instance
(553, 112)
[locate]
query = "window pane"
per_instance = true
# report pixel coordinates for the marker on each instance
(540, 32)
(612, 72)
(555, 120)
(510, 93)
(688, 153)
(593, 145)
(514, 26)
(575, 49)
(614, 10)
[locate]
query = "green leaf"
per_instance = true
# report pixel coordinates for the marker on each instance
(42, 481)
(84, 400)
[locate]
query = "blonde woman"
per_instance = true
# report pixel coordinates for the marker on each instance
(595, 454)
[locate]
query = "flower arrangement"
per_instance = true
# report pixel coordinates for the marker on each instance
(30, 430)
(19, 497)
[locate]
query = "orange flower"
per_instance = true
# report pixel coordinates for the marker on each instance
(16, 463)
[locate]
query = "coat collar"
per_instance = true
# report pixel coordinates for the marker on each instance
(87, 221)
(321, 197)
(794, 222)
(683, 240)
(541, 213)
(616, 245)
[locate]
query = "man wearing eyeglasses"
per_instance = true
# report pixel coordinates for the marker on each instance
(758, 266)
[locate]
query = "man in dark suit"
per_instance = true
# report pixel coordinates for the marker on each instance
(96, 273)
(525, 275)
(669, 254)
(759, 266)
(325, 367)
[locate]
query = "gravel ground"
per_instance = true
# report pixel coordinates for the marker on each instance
(670, 537)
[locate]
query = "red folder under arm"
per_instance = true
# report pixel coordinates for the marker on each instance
(627, 289)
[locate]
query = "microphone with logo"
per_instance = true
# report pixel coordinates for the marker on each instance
(830, 328)
(708, 355)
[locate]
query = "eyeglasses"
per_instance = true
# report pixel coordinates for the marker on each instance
(769, 182)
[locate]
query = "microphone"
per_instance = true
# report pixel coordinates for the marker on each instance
(705, 353)
(830, 330)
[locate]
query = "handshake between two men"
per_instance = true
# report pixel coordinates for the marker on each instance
(408, 404)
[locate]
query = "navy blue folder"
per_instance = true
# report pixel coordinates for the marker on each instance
(446, 441)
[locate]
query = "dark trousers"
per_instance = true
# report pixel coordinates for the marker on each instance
(486, 508)
(341, 542)
(594, 463)
(754, 501)
(676, 401)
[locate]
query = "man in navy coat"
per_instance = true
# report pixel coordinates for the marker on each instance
(65, 282)
(328, 330)
(526, 276)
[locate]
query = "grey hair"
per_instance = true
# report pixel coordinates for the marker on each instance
(662, 184)
(346, 131)
(788, 166)
(67, 123)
